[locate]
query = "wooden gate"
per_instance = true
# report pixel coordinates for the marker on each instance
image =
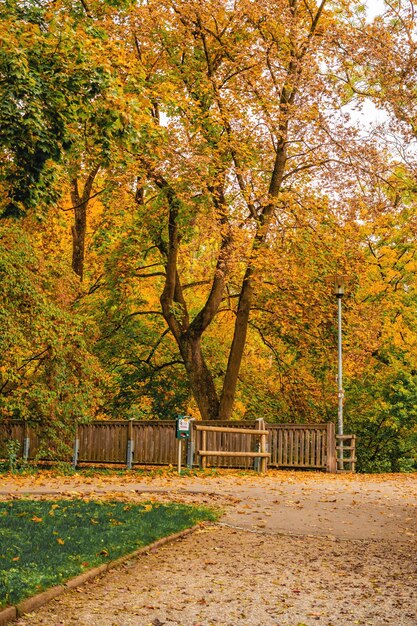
(260, 433)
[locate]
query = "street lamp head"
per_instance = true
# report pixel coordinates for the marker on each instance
(339, 285)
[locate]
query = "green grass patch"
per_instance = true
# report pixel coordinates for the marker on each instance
(44, 543)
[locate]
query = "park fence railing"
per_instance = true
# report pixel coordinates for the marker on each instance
(305, 446)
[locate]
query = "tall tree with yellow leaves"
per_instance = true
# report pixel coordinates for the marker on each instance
(244, 122)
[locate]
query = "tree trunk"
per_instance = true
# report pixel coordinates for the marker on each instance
(174, 307)
(79, 228)
(199, 376)
(246, 294)
(78, 239)
(236, 351)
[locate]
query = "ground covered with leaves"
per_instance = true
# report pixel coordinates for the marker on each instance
(229, 577)
(291, 549)
(43, 543)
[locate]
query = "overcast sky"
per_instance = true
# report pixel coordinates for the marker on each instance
(374, 7)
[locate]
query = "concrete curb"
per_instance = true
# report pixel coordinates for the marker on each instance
(30, 604)
(10, 613)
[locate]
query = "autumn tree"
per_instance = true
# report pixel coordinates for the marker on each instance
(46, 77)
(61, 109)
(240, 116)
(48, 374)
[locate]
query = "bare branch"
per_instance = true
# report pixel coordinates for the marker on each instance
(156, 346)
(150, 275)
(196, 283)
(86, 9)
(77, 206)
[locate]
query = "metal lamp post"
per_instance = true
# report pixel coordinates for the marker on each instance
(339, 290)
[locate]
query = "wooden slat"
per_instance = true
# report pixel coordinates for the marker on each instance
(330, 449)
(307, 448)
(313, 457)
(221, 429)
(301, 447)
(296, 457)
(285, 448)
(280, 446)
(318, 448)
(204, 448)
(272, 443)
(290, 447)
(236, 454)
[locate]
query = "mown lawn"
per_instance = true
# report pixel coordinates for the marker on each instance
(43, 543)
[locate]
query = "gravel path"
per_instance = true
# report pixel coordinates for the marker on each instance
(291, 549)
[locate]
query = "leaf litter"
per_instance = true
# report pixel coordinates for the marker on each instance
(236, 575)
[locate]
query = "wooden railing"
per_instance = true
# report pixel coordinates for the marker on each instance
(346, 453)
(307, 446)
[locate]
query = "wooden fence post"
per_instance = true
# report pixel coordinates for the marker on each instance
(203, 459)
(331, 461)
(130, 445)
(353, 453)
(257, 459)
(262, 461)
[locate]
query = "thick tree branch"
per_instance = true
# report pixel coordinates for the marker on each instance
(209, 310)
(150, 275)
(80, 203)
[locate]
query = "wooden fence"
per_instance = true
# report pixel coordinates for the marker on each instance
(308, 446)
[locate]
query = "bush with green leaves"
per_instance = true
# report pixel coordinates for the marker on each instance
(381, 409)
(48, 374)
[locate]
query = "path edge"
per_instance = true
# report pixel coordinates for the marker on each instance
(11, 613)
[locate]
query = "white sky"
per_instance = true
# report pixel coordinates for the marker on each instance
(374, 7)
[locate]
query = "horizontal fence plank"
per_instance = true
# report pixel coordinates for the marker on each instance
(224, 429)
(235, 454)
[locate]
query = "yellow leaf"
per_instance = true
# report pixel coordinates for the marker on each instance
(60, 541)
(36, 519)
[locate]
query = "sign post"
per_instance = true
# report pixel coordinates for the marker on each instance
(182, 431)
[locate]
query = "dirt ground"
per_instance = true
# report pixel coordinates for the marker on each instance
(291, 549)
